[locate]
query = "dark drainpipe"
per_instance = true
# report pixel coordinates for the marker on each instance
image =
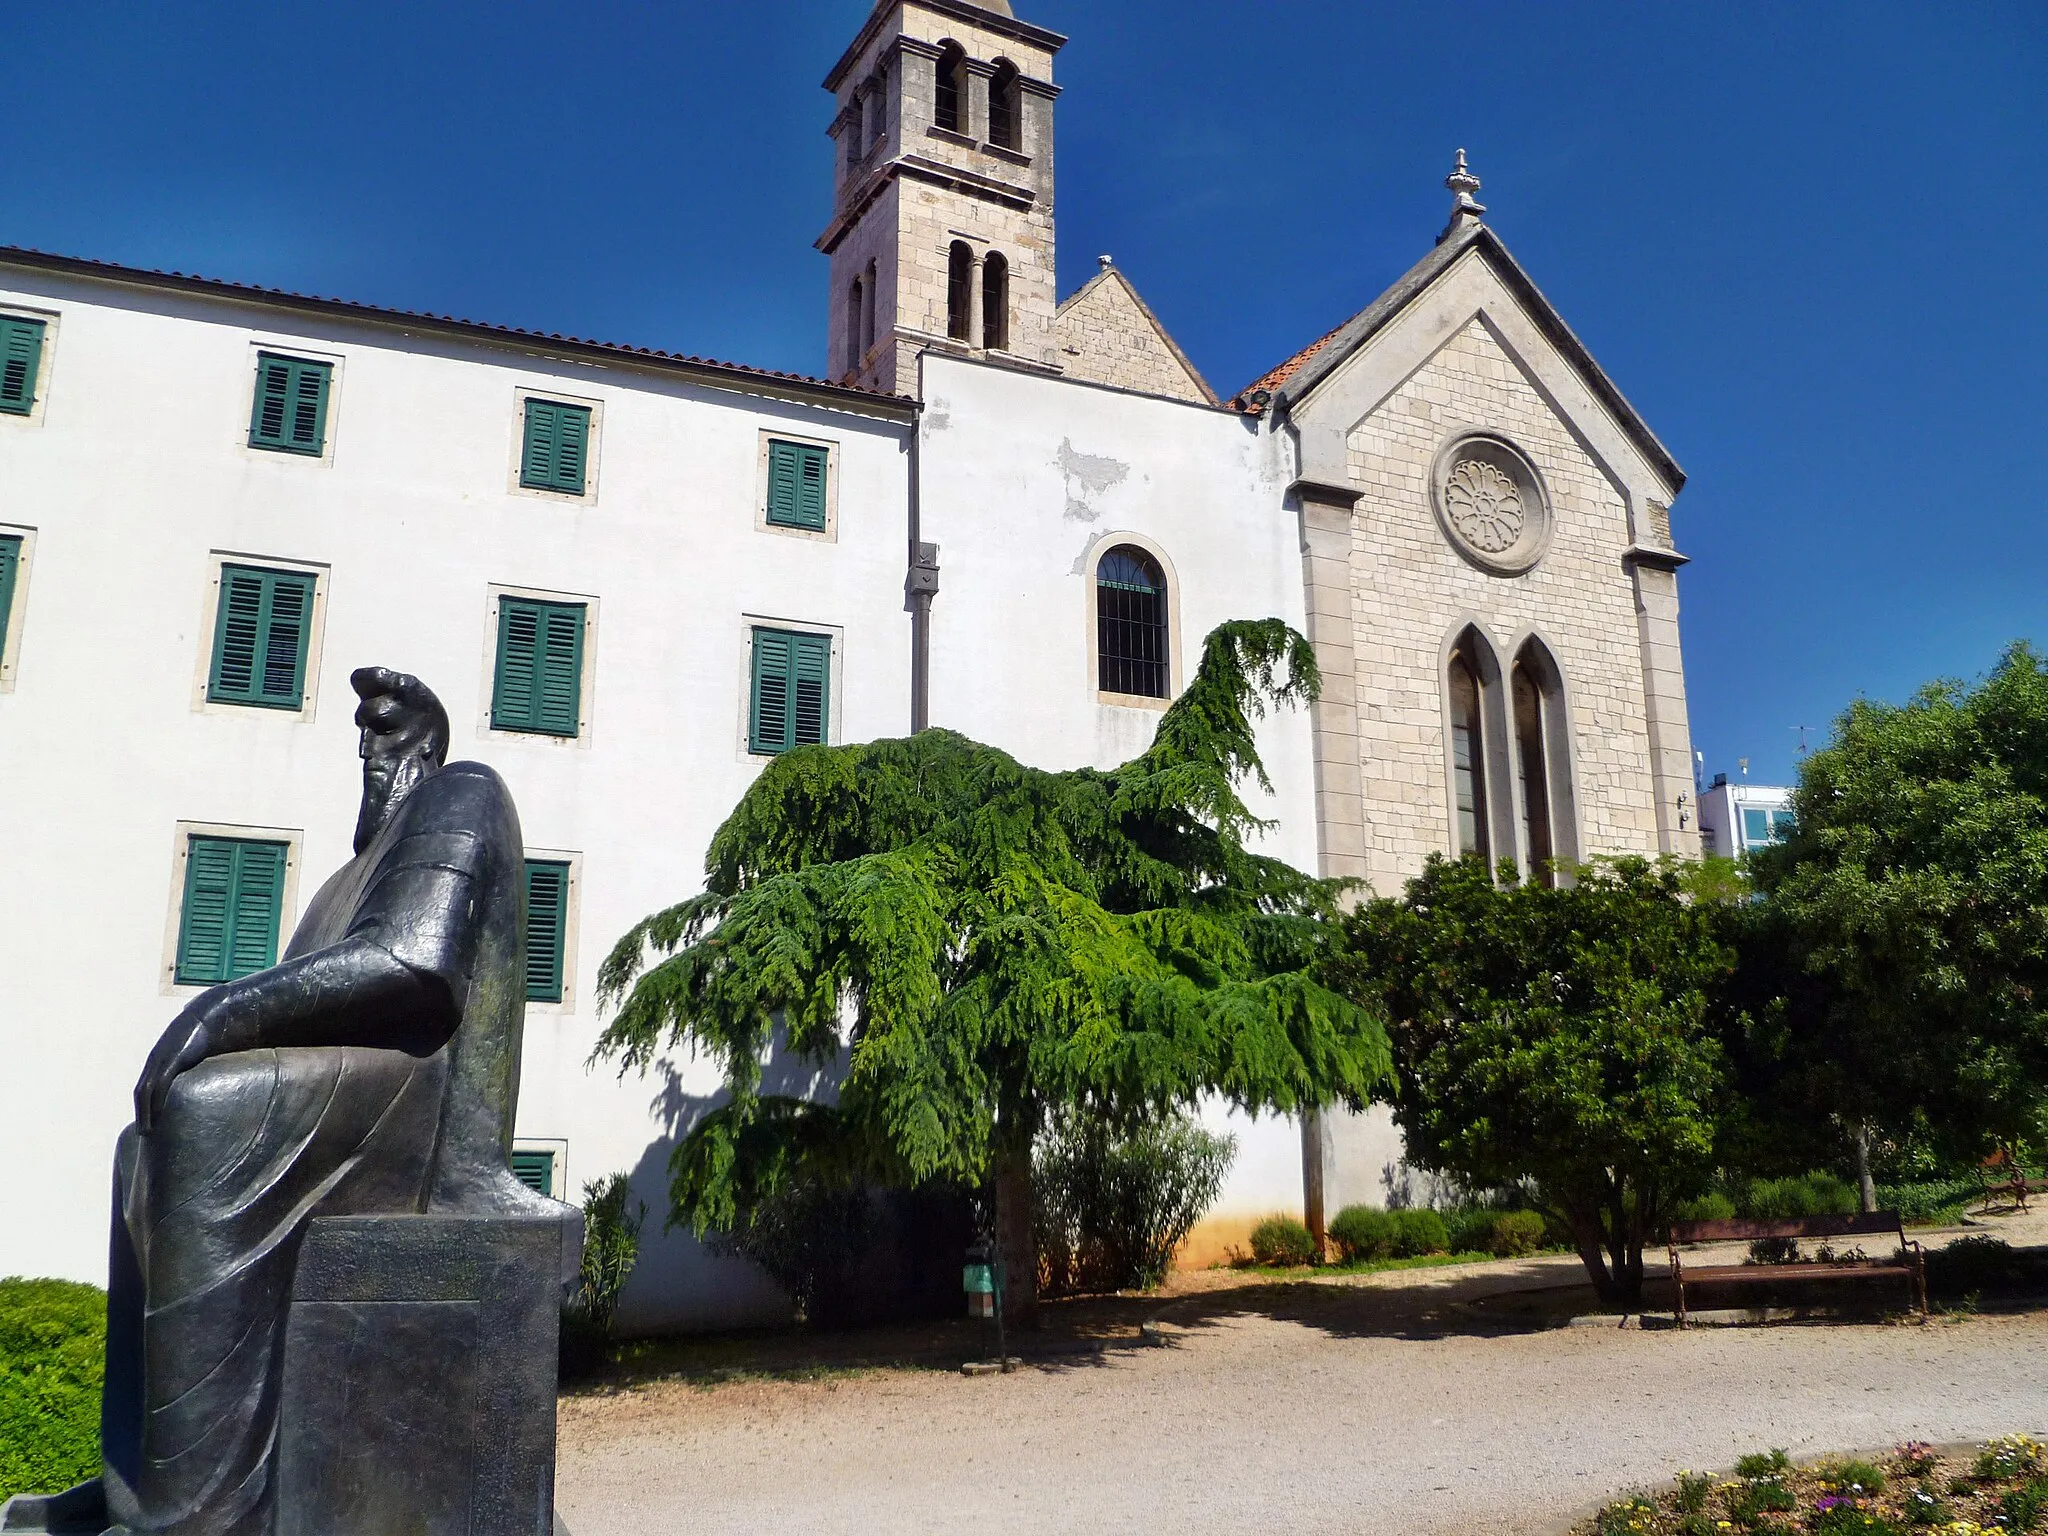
(920, 587)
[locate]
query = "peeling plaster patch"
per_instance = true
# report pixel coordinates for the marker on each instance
(936, 420)
(1087, 475)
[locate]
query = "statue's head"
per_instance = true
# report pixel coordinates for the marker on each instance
(405, 738)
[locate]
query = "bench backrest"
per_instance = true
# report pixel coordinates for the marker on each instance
(1742, 1229)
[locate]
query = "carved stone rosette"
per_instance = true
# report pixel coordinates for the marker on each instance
(1491, 503)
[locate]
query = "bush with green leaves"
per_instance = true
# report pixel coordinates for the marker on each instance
(52, 1354)
(1113, 1208)
(1417, 1234)
(2021, 1509)
(1517, 1234)
(1812, 1194)
(1281, 1242)
(1929, 1202)
(1973, 1265)
(611, 1245)
(1363, 1234)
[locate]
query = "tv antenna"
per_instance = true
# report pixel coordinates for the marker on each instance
(1802, 730)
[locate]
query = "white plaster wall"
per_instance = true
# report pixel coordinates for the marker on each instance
(138, 469)
(1022, 477)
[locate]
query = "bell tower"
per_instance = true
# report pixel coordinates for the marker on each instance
(942, 214)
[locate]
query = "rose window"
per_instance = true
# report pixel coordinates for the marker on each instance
(1485, 505)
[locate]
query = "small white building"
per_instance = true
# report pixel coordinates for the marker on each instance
(632, 578)
(1738, 818)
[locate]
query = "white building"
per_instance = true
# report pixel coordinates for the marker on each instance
(631, 577)
(1739, 818)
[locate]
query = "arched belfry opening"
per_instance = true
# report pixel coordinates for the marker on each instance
(995, 302)
(960, 291)
(1005, 115)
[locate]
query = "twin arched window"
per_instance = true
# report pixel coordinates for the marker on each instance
(1510, 758)
(951, 80)
(1130, 624)
(995, 297)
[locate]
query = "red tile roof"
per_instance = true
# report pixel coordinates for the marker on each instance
(28, 256)
(1273, 379)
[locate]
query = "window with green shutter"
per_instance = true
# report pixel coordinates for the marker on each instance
(21, 359)
(290, 415)
(10, 567)
(234, 902)
(547, 928)
(796, 485)
(539, 684)
(535, 1169)
(792, 690)
(261, 635)
(557, 450)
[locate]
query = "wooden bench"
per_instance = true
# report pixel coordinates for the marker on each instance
(2001, 1176)
(1909, 1265)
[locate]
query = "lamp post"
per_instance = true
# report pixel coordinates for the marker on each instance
(982, 1280)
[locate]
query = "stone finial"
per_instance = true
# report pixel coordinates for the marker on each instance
(1105, 262)
(1465, 209)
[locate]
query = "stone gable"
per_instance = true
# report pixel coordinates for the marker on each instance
(1107, 335)
(1411, 590)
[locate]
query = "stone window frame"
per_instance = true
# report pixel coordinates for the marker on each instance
(593, 452)
(46, 365)
(1091, 562)
(1496, 741)
(556, 1147)
(16, 618)
(1559, 746)
(182, 833)
(316, 634)
(835, 698)
(294, 348)
(834, 451)
(572, 925)
(586, 718)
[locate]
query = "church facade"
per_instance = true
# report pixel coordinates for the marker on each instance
(633, 578)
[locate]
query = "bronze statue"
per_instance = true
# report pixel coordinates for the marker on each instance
(372, 1073)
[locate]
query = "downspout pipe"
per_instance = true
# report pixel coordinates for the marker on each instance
(921, 585)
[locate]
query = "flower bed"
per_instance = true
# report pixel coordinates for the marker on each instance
(1999, 1488)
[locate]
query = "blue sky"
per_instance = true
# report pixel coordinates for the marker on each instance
(1806, 239)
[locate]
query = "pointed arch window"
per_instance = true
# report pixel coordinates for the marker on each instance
(995, 302)
(959, 289)
(1543, 789)
(947, 95)
(1130, 621)
(1468, 754)
(1005, 119)
(856, 326)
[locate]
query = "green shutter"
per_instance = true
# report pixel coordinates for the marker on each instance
(261, 635)
(234, 902)
(536, 1170)
(796, 485)
(557, 447)
(290, 414)
(547, 928)
(792, 691)
(21, 359)
(539, 685)
(10, 567)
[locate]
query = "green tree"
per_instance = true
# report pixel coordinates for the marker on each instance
(1912, 904)
(983, 943)
(1562, 1042)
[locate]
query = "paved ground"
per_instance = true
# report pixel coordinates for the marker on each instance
(1422, 1402)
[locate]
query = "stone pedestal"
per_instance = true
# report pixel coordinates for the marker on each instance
(419, 1377)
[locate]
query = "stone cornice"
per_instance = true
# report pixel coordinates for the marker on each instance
(959, 10)
(1326, 494)
(1655, 558)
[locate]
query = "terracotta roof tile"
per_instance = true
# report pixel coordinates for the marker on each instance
(1273, 379)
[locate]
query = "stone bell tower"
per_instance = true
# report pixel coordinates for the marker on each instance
(942, 223)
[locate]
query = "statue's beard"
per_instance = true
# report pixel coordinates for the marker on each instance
(386, 783)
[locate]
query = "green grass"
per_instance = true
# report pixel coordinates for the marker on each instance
(52, 1348)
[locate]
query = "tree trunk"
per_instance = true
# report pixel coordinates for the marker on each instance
(1865, 1184)
(1613, 1263)
(1014, 1241)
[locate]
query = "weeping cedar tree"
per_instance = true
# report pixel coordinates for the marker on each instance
(1563, 1042)
(1911, 901)
(984, 944)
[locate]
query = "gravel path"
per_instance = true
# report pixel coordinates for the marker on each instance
(1398, 1404)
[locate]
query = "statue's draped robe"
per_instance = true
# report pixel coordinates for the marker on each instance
(211, 1205)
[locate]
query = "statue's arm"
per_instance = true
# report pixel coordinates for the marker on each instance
(394, 980)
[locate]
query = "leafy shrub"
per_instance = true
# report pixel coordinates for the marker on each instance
(1766, 1496)
(1417, 1233)
(1713, 1206)
(1814, 1194)
(1112, 1209)
(612, 1219)
(1848, 1520)
(810, 1238)
(1629, 1517)
(1283, 1242)
(1972, 1265)
(1923, 1508)
(1692, 1491)
(52, 1353)
(1763, 1464)
(2022, 1508)
(1517, 1234)
(2008, 1457)
(1363, 1233)
(1472, 1228)
(1916, 1458)
(1773, 1250)
(1929, 1202)
(1856, 1477)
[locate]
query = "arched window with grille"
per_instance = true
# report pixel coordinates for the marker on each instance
(1467, 689)
(1130, 624)
(1005, 100)
(1543, 795)
(995, 302)
(947, 96)
(959, 289)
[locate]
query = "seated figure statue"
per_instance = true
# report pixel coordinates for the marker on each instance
(372, 1073)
